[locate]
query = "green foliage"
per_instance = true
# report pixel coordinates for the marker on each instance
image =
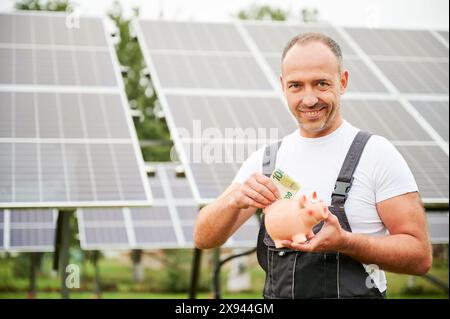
(21, 266)
(49, 5)
(138, 89)
(7, 274)
(177, 265)
(263, 13)
(266, 12)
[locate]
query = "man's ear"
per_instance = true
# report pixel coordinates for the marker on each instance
(343, 80)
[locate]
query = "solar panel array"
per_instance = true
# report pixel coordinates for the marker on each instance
(225, 75)
(27, 230)
(168, 224)
(66, 135)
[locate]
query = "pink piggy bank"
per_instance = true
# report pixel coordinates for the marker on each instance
(292, 219)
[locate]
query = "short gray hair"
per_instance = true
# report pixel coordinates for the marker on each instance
(308, 37)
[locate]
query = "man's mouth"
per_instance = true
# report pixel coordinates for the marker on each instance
(312, 114)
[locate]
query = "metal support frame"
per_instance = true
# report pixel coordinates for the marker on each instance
(195, 274)
(97, 281)
(35, 259)
(218, 266)
(62, 244)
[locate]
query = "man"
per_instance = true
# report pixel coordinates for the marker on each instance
(383, 213)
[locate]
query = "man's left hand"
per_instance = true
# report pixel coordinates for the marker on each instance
(330, 238)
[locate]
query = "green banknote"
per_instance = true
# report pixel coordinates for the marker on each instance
(287, 186)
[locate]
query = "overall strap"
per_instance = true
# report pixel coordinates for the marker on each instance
(345, 178)
(268, 166)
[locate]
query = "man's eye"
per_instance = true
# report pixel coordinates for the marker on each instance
(323, 84)
(294, 85)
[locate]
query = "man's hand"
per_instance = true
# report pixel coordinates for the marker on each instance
(330, 238)
(258, 191)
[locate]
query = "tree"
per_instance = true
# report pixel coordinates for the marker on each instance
(139, 91)
(263, 13)
(50, 5)
(255, 12)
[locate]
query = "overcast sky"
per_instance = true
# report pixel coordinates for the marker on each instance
(367, 13)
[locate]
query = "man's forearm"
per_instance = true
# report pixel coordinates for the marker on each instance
(400, 253)
(214, 223)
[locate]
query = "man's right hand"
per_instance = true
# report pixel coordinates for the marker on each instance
(257, 191)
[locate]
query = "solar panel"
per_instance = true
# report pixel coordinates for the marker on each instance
(139, 228)
(168, 224)
(227, 113)
(438, 223)
(419, 77)
(209, 71)
(436, 113)
(66, 136)
(27, 230)
(165, 35)
(383, 117)
(400, 43)
(273, 37)
(56, 67)
(430, 167)
(444, 34)
(50, 29)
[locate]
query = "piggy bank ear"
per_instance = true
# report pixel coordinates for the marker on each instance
(302, 201)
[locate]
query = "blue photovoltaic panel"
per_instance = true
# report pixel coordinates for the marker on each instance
(436, 113)
(444, 34)
(438, 223)
(28, 230)
(66, 136)
(398, 43)
(430, 167)
(273, 37)
(175, 36)
(168, 224)
(383, 117)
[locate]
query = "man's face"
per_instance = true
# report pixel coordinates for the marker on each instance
(312, 84)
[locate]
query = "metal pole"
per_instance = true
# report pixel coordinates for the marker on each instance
(196, 260)
(215, 280)
(138, 270)
(62, 243)
(95, 258)
(217, 268)
(34, 262)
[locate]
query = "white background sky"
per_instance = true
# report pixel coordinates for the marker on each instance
(367, 13)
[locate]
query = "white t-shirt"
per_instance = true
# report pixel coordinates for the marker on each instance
(315, 163)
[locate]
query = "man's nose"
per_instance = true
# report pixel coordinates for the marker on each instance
(310, 100)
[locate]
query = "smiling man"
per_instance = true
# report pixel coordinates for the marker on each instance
(377, 220)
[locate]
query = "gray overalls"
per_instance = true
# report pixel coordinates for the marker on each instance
(295, 274)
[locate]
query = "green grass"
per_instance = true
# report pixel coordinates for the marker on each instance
(113, 295)
(117, 281)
